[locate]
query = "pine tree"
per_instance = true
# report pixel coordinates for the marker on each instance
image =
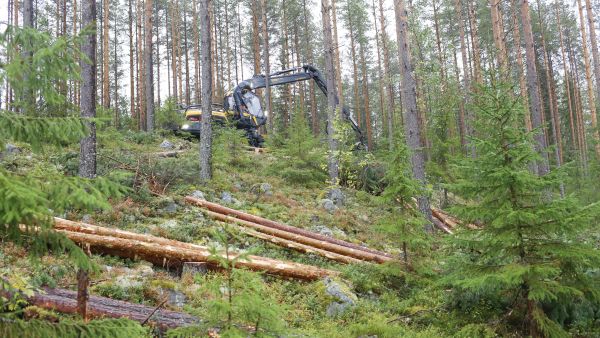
(531, 250)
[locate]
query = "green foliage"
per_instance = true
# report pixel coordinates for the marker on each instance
(302, 159)
(39, 77)
(404, 222)
(238, 298)
(168, 116)
(229, 148)
(531, 250)
(108, 328)
(31, 194)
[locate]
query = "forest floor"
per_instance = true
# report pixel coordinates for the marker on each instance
(365, 300)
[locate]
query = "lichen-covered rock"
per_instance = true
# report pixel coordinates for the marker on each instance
(266, 189)
(198, 194)
(167, 145)
(343, 297)
(328, 205)
(337, 196)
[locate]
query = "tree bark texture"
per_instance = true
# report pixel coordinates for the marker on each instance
(533, 88)
(332, 162)
(409, 102)
(148, 25)
(206, 125)
(87, 153)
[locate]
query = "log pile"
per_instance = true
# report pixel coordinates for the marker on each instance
(169, 253)
(291, 237)
(65, 301)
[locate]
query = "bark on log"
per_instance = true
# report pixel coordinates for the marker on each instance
(306, 241)
(300, 247)
(165, 252)
(280, 226)
(65, 301)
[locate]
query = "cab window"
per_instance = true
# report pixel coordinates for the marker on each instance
(253, 104)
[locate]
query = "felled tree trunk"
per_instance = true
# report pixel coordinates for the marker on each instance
(170, 253)
(65, 301)
(306, 241)
(276, 225)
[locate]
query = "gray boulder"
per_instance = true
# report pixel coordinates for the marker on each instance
(11, 149)
(170, 224)
(328, 205)
(167, 145)
(343, 297)
(323, 230)
(266, 189)
(198, 194)
(337, 196)
(226, 197)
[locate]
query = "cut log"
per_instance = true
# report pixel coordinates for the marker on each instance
(280, 226)
(65, 301)
(168, 253)
(300, 247)
(306, 241)
(174, 153)
(440, 225)
(451, 221)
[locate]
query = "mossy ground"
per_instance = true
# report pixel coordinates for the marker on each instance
(391, 301)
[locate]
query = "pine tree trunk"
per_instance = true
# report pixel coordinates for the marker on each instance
(476, 53)
(336, 55)
(409, 102)
(596, 57)
(381, 81)
(185, 51)
(116, 77)
(174, 29)
(388, 77)
(365, 93)
(87, 155)
(105, 55)
(574, 140)
(465, 88)
(519, 63)
(149, 68)
(196, 52)
(298, 64)
(332, 162)
(285, 116)
(206, 127)
(266, 55)
(555, 119)
(533, 85)
(158, 67)
(498, 33)
(83, 281)
(132, 109)
(357, 97)
(311, 86)
(28, 95)
(578, 105)
(594, 44)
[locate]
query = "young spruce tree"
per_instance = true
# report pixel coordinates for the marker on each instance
(531, 249)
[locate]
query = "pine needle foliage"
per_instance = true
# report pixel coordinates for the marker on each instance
(531, 250)
(30, 194)
(303, 157)
(238, 299)
(404, 223)
(105, 328)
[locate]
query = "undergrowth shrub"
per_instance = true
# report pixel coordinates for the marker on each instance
(301, 159)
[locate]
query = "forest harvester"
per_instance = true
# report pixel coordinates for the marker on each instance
(242, 109)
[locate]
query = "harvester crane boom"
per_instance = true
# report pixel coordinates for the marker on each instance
(292, 75)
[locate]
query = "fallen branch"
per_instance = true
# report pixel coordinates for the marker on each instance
(65, 301)
(166, 252)
(323, 246)
(276, 225)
